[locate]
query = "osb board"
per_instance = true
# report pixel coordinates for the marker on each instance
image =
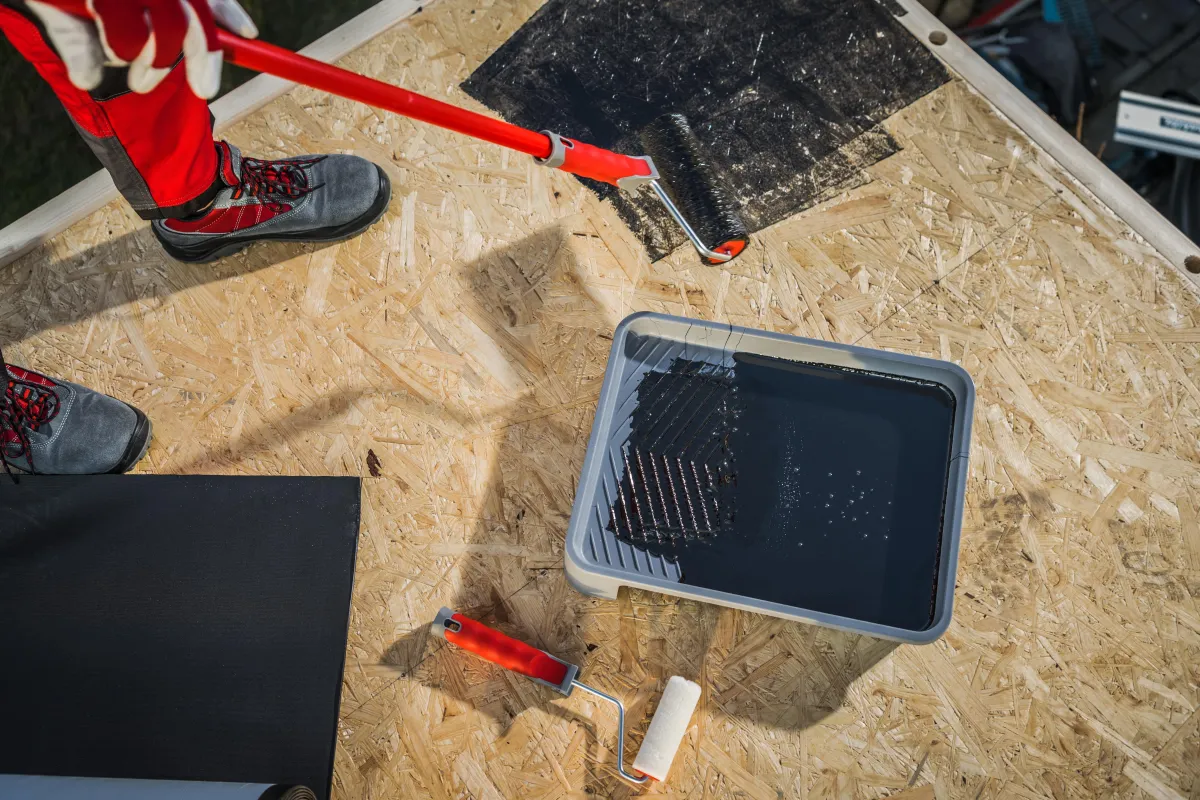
(455, 352)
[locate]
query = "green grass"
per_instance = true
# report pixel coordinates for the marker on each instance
(43, 155)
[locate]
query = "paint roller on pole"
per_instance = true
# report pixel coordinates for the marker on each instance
(667, 726)
(680, 173)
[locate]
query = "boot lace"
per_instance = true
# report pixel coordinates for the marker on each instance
(25, 407)
(274, 182)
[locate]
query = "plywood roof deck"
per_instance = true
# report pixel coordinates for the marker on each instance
(452, 357)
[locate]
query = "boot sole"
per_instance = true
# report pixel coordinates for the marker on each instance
(202, 254)
(139, 443)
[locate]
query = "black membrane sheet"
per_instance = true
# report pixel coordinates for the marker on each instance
(825, 487)
(787, 95)
(174, 627)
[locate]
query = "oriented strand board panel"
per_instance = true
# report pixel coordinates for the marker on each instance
(452, 357)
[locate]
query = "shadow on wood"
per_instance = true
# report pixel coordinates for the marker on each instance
(509, 575)
(128, 268)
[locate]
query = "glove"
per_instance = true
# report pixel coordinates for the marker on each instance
(145, 35)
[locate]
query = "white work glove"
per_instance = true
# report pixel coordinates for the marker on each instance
(145, 35)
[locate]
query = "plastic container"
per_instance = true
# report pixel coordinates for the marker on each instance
(846, 424)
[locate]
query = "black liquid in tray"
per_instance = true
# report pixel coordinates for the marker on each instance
(823, 487)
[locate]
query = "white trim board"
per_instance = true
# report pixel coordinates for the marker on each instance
(1076, 159)
(93, 193)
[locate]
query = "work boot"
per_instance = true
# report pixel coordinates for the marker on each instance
(302, 199)
(54, 427)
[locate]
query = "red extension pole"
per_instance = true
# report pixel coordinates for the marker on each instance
(273, 60)
(578, 158)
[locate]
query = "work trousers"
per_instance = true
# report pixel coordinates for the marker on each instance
(158, 146)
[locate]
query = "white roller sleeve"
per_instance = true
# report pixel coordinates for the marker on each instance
(667, 727)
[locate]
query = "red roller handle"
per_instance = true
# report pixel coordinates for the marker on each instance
(579, 158)
(589, 161)
(498, 648)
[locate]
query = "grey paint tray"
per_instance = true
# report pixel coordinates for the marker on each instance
(803, 479)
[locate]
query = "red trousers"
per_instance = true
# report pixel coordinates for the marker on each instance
(158, 147)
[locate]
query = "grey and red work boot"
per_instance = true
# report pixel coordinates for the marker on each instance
(53, 427)
(302, 199)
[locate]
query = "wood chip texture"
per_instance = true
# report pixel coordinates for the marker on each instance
(459, 346)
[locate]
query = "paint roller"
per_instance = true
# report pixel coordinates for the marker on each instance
(667, 726)
(678, 170)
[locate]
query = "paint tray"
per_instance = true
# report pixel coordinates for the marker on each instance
(799, 478)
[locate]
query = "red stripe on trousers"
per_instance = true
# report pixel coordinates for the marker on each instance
(167, 133)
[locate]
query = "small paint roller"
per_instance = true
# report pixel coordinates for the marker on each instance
(667, 727)
(692, 188)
